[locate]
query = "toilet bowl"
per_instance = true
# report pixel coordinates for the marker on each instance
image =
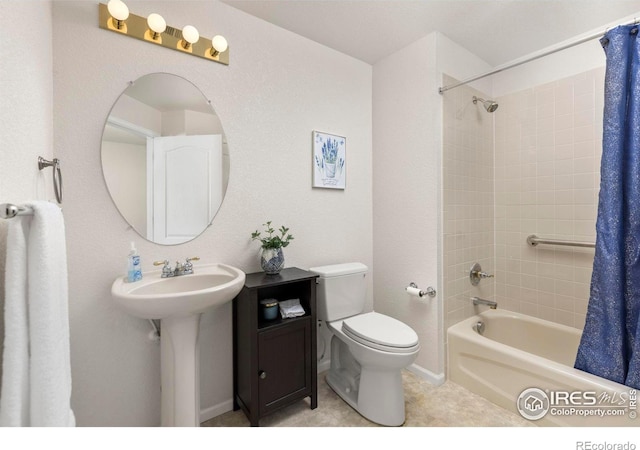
(368, 349)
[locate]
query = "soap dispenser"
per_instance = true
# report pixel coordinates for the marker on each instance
(134, 272)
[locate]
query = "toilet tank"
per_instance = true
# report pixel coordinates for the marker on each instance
(341, 290)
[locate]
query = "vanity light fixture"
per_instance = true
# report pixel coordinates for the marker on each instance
(218, 45)
(190, 36)
(157, 25)
(119, 13)
(115, 16)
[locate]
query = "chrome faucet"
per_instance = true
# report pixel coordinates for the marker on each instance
(180, 269)
(480, 301)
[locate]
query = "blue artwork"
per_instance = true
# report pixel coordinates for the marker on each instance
(329, 167)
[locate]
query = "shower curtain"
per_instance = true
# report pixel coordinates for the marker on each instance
(610, 345)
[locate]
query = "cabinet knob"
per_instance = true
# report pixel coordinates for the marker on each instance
(262, 374)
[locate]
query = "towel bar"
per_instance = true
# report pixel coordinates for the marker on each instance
(9, 210)
(57, 175)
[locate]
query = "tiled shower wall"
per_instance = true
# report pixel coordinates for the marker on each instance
(543, 179)
(468, 200)
(548, 144)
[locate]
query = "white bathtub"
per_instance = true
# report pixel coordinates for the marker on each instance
(517, 352)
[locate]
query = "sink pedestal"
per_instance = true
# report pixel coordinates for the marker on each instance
(180, 379)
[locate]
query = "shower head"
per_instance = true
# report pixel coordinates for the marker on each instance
(489, 105)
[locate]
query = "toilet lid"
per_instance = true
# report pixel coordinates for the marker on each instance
(381, 332)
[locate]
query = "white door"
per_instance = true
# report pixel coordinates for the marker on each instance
(186, 185)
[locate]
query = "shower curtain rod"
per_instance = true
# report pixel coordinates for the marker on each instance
(535, 56)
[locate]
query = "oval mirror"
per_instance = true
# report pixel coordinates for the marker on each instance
(165, 159)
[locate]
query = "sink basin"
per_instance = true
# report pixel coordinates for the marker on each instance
(157, 298)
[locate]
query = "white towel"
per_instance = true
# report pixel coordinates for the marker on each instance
(291, 308)
(36, 380)
(14, 396)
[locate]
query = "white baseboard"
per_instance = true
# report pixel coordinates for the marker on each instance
(216, 410)
(434, 378)
(324, 365)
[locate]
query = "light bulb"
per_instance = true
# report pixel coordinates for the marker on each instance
(156, 23)
(118, 10)
(218, 45)
(190, 35)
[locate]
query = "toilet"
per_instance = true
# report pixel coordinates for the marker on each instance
(368, 349)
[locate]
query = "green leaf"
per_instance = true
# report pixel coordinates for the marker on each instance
(271, 241)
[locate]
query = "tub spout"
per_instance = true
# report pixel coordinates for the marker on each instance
(480, 301)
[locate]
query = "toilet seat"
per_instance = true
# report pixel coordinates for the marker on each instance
(381, 333)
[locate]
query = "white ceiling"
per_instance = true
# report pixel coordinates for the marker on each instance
(497, 31)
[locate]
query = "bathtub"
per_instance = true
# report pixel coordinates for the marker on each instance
(517, 353)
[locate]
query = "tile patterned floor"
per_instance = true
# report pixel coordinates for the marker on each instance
(448, 405)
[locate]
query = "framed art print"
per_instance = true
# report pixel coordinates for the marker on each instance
(329, 160)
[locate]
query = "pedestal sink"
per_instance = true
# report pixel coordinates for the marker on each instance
(179, 302)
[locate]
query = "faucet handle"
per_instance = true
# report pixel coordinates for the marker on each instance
(166, 269)
(476, 274)
(188, 267)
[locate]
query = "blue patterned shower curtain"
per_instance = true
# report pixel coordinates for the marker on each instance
(610, 345)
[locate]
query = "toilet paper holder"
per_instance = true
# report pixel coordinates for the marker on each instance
(431, 292)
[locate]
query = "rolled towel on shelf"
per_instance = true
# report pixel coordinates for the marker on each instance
(291, 308)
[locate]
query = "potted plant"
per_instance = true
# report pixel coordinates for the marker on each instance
(271, 256)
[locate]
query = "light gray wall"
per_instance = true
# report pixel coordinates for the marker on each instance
(277, 89)
(26, 89)
(405, 192)
(26, 122)
(407, 179)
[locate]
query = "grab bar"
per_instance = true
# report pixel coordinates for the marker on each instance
(534, 240)
(9, 211)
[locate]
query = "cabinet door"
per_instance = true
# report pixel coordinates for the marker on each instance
(284, 361)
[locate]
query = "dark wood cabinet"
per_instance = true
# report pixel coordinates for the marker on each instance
(274, 361)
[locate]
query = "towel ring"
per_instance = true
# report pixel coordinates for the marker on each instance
(57, 175)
